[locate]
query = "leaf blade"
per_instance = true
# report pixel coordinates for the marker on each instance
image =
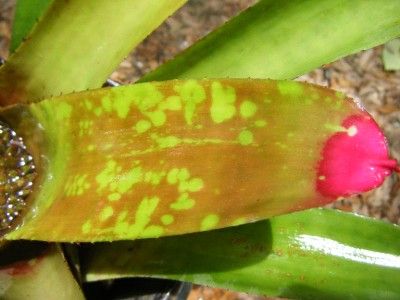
(285, 39)
(129, 162)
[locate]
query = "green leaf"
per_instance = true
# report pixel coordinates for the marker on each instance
(27, 13)
(391, 55)
(315, 254)
(77, 45)
(285, 39)
(36, 271)
(172, 157)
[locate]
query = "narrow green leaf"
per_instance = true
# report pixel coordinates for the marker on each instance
(77, 45)
(27, 13)
(391, 55)
(36, 271)
(315, 254)
(285, 39)
(173, 157)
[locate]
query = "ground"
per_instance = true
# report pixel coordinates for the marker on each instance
(361, 76)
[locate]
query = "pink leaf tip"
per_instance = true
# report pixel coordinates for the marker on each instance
(355, 160)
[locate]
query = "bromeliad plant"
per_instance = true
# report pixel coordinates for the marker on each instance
(167, 157)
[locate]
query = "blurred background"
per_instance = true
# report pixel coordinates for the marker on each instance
(362, 76)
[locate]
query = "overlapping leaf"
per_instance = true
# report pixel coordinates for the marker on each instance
(77, 45)
(314, 254)
(36, 271)
(173, 157)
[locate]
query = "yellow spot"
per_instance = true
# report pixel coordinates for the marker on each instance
(154, 177)
(223, 102)
(166, 141)
(209, 222)
(290, 88)
(245, 137)
(90, 148)
(171, 103)
(63, 110)
(85, 127)
(128, 179)
(142, 218)
(322, 177)
(114, 197)
(142, 126)
(98, 111)
(183, 202)
(152, 231)
(88, 105)
(106, 213)
(76, 185)
(239, 221)
(175, 175)
(172, 176)
(260, 123)
(107, 175)
(248, 109)
(157, 117)
(86, 227)
(192, 94)
(352, 131)
(145, 96)
(167, 219)
(192, 185)
(106, 103)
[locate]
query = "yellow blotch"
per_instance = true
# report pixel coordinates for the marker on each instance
(248, 109)
(76, 185)
(183, 202)
(209, 222)
(260, 123)
(106, 213)
(86, 227)
(114, 197)
(245, 137)
(167, 219)
(140, 226)
(142, 126)
(223, 102)
(192, 94)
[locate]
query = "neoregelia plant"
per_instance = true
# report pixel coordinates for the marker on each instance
(166, 158)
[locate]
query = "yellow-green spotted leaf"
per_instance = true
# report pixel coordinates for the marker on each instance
(172, 157)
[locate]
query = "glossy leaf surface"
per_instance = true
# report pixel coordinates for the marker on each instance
(77, 45)
(36, 271)
(173, 157)
(315, 254)
(27, 13)
(285, 39)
